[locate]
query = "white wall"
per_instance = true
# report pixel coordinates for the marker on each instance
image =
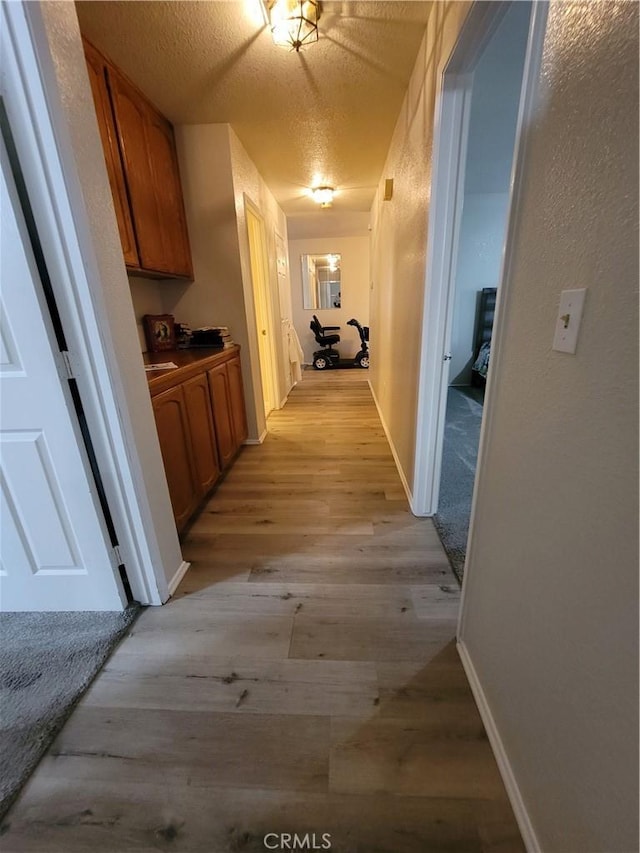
(146, 297)
(216, 296)
(125, 380)
(399, 241)
(550, 616)
(354, 263)
(248, 182)
(495, 99)
(482, 233)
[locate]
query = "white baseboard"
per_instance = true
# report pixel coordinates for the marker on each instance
(403, 479)
(175, 580)
(256, 440)
(502, 759)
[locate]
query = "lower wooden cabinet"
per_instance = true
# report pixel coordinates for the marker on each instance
(175, 443)
(206, 468)
(236, 401)
(219, 385)
(201, 421)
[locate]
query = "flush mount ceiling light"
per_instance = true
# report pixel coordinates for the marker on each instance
(323, 196)
(294, 23)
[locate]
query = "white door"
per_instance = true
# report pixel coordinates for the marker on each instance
(55, 552)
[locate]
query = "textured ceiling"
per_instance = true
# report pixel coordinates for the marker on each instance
(324, 115)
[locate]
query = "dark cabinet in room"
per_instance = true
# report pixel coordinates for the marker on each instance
(141, 157)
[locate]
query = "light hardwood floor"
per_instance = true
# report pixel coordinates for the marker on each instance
(304, 679)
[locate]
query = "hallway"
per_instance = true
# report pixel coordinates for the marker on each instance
(304, 679)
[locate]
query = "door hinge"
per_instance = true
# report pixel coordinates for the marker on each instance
(447, 356)
(66, 363)
(117, 556)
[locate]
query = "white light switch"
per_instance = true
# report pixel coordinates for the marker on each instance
(568, 322)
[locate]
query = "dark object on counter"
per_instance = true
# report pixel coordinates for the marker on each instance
(159, 331)
(211, 336)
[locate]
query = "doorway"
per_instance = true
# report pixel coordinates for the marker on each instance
(492, 118)
(485, 86)
(262, 304)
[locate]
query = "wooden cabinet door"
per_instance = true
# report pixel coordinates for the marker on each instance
(131, 118)
(220, 398)
(168, 194)
(202, 433)
(173, 432)
(96, 67)
(151, 170)
(236, 399)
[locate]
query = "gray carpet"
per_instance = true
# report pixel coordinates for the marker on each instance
(47, 661)
(459, 460)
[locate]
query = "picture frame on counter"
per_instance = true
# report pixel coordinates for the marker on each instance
(159, 332)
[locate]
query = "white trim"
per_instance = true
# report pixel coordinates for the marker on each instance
(396, 459)
(532, 65)
(449, 155)
(48, 162)
(253, 441)
(500, 753)
(175, 580)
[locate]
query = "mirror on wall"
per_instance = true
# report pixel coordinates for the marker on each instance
(321, 285)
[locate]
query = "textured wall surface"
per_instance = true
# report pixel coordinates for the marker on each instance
(321, 116)
(216, 296)
(550, 612)
(354, 263)
(248, 182)
(399, 239)
(112, 292)
(216, 172)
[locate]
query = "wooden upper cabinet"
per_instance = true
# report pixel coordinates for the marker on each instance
(96, 67)
(168, 193)
(146, 152)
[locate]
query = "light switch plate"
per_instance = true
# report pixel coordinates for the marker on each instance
(568, 322)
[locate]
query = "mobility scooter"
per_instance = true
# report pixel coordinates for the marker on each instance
(328, 357)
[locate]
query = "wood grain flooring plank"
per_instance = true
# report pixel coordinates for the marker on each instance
(207, 749)
(304, 678)
(400, 638)
(237, 685)
(87, 816)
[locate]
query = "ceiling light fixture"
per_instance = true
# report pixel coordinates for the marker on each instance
(323, 196)
(294, 23)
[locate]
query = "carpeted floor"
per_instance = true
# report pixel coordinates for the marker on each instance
(459, 460)
(47, 661)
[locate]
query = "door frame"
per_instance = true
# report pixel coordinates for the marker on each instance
(47, 159)
(268, 370)
(449, 155)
